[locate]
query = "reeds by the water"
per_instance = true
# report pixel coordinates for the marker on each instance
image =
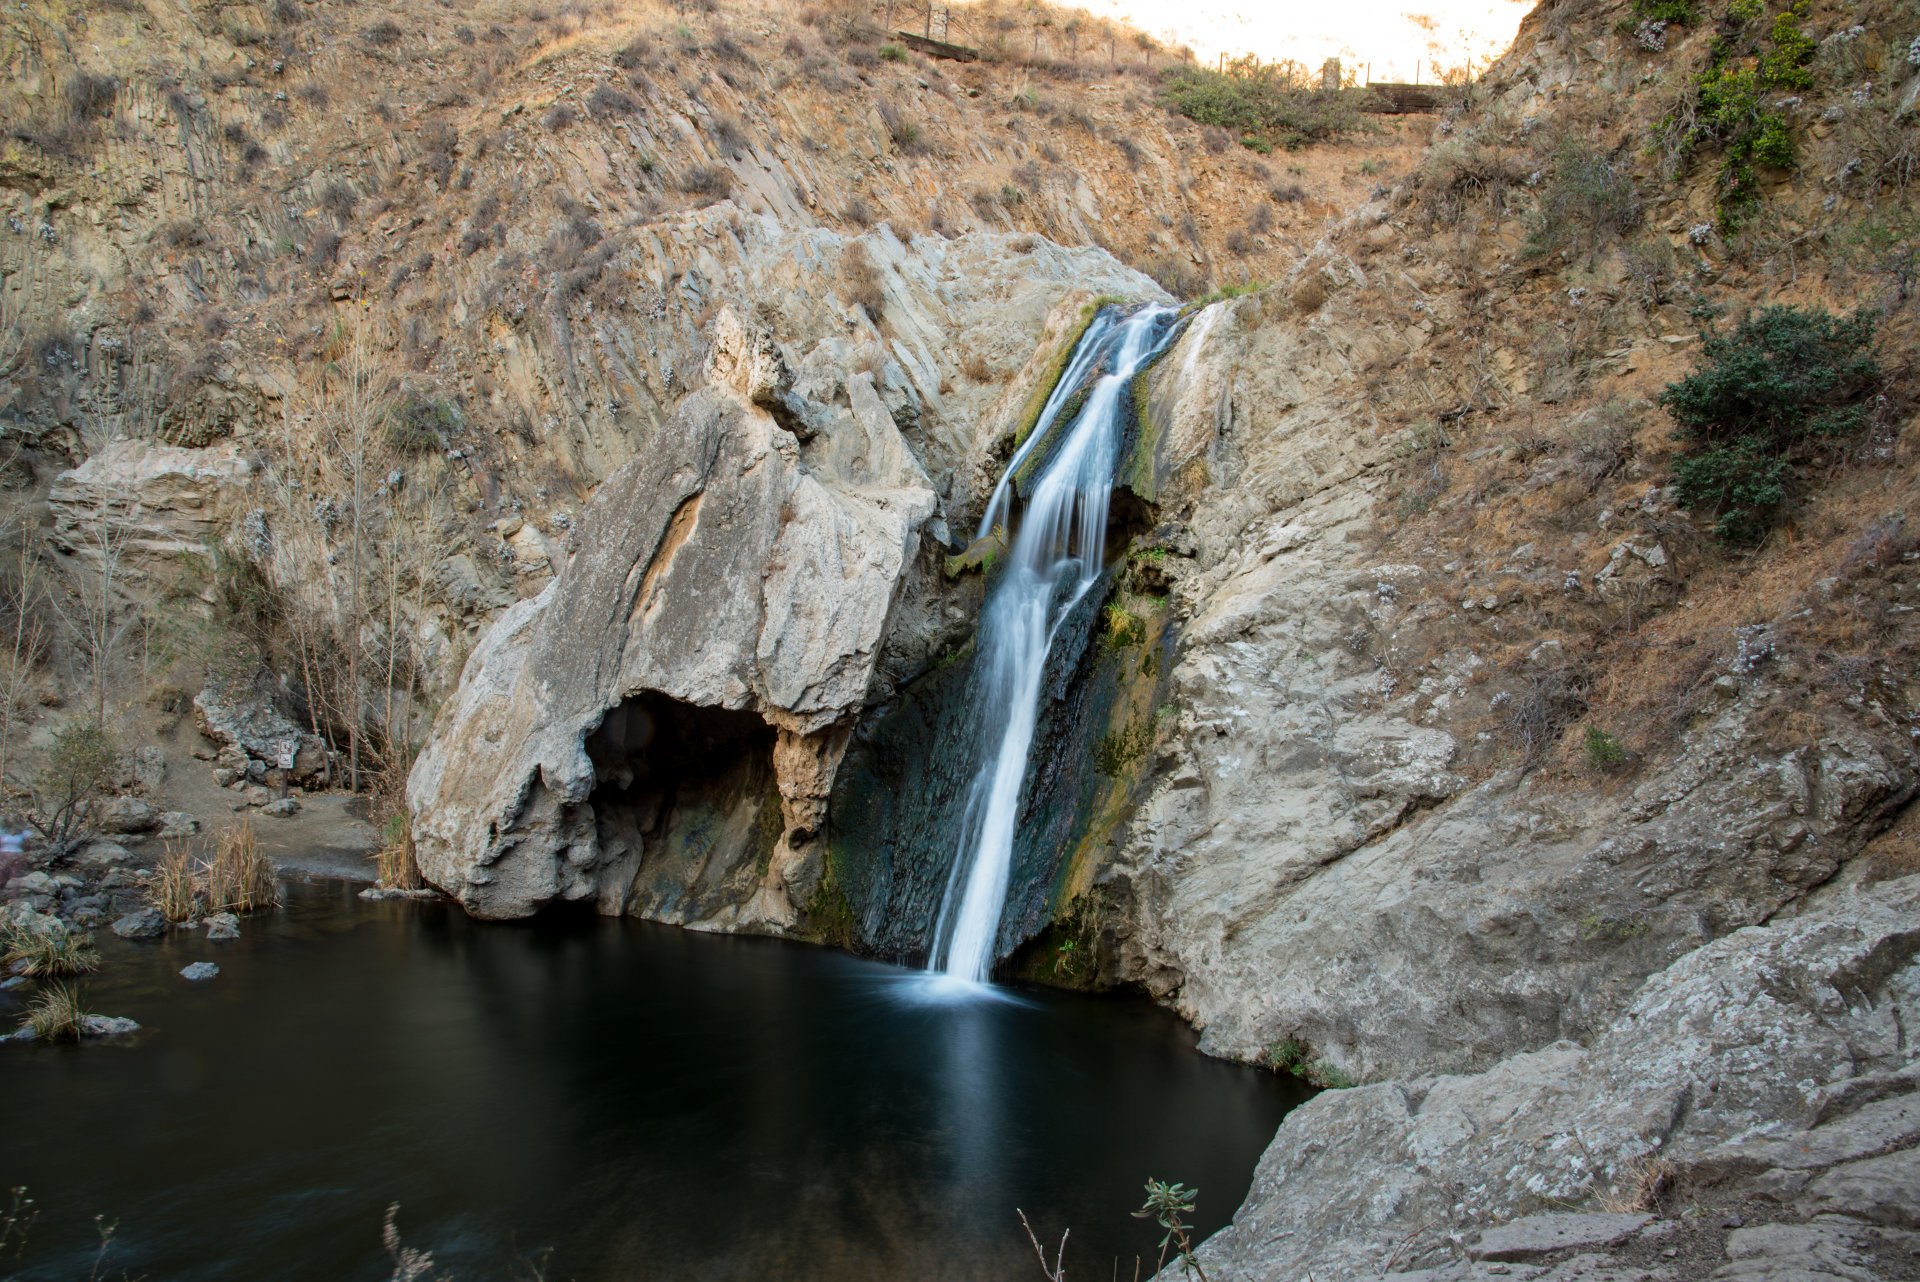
(239, 879)
(236, 879)
(57, 1014)
(172, 891)
(54, 954)
(393, 863)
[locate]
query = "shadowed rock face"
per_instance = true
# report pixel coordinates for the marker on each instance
(737, 585)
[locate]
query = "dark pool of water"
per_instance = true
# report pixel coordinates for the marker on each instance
(639, 1101)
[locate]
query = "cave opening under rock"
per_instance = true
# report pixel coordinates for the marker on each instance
(690, 791)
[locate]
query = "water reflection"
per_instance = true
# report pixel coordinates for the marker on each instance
(644, 1101)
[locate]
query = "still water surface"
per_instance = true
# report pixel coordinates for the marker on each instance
(637, 1100)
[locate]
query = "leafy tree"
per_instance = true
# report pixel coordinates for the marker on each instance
(79, 768)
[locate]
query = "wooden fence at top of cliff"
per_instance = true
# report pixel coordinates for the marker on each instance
(937, 48)
(1385, 98)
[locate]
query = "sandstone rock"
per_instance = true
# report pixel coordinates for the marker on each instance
(124, 815)
(1310, 863)
(648, 633)
(177, 823)
(107, 1026)
(1538, 1235)
(143, 924)
(147, 770)
(101, 853)
(32, 883)
(20, 914)
(163, 503)
(1790, 1035)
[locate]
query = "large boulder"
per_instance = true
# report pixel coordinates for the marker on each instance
(251, 722)
(684, 689)
(1772, 1072)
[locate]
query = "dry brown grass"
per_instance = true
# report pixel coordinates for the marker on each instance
(862, 279)
(172, 890)
(976, 368)
(50, 955)
(1643, 1185)
(394, 863)
(57, 1013)
(239, 879)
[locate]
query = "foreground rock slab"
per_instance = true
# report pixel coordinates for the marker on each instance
(1771, 1072)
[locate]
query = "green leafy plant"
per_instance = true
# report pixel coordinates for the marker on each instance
(1167, 1205)
(1291, 1055)
(78, 769)
(1261, 104)
(1680, 11)
(1604, 752)
(1586, 202)
(1761, 400)
(1729, 107)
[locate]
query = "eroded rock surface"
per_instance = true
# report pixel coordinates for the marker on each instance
(725, 571)
(1316, 863)
(1757, 1103)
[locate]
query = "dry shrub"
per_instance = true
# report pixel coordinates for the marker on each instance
(172, 891)
(50, 955)
(975, 367)
(864, 286)
(1464, 173)
(1645, 1182)
(57, 1014)
(1547, 702)
(394, 862)
(710, 181)
(239, 878)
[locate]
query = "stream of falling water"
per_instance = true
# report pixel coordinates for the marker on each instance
(1056, 556)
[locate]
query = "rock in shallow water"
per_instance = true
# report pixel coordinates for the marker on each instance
(222, 926)
(199, 970)
(143, 924)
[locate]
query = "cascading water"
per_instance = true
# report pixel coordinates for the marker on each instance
(1056, 556)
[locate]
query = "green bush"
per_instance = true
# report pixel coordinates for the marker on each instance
(421, 425)
(1759, 401)
(79, 767)
(1604, 752)
(1260, 105)
(1680, 11)
(1729, 109)
(1291, 1055)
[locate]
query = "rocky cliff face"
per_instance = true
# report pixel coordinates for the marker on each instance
(658, 732)
(1433, 744)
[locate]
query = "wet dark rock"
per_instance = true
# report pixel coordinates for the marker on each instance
(146, 923)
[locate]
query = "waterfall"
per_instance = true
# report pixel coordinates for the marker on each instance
(1055, 558)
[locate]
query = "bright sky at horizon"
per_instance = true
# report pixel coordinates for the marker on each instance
(1380, 32)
